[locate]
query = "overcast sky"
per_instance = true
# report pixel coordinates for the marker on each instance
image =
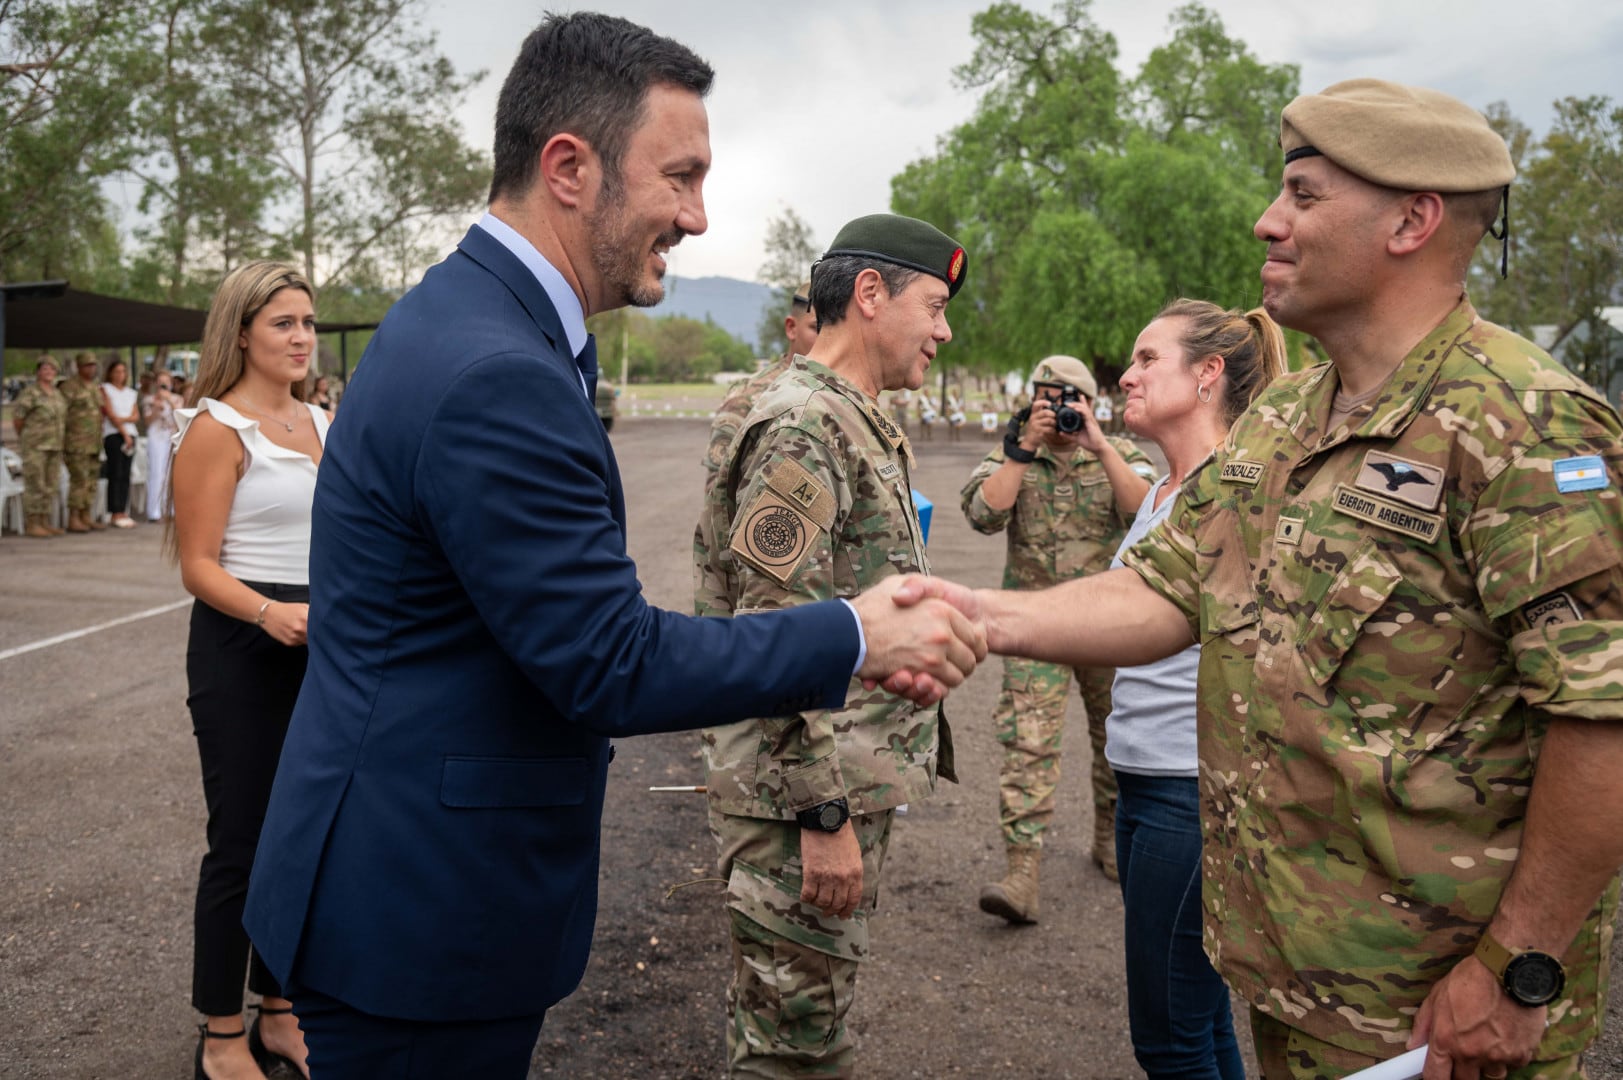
(817, 105)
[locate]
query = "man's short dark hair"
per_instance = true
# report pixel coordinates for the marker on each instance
(588, 75)
(834, 280)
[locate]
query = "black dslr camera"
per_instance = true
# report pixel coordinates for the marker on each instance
(1067, 420)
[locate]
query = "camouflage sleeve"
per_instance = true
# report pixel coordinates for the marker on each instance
(730, 414)
(1543, 541)
(1166, 558)
(982, 518)
(781, 541)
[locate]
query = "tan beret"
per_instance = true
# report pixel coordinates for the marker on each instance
(1066, 371)
(1405, 137)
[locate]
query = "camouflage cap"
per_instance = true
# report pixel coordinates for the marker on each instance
(1397, 136)
(1066, 371)
(85, 359)
(905, 241)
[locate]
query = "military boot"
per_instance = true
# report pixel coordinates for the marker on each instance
(37, 527)
(1015, 897)
(1104, 843)
(77, 522)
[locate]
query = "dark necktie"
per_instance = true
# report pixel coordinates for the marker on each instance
(587, 362)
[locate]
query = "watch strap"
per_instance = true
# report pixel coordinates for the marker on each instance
(1492, 955)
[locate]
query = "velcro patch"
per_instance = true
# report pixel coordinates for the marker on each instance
(1378, 510)
(773, 535)
(1412, 482)
(889, 471)
(884, 424)
(1289, 531)
(791, 480)
(1587, 473)
(1242, 472)
(1552, 610)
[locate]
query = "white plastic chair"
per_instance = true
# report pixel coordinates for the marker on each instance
(11, 490)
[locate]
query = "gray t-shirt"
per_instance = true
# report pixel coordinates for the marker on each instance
(1151, 728)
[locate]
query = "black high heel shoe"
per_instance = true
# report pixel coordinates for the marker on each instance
(266, 1058)
(203, 1035)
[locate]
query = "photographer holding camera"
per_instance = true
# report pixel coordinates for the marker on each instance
(1065, 492)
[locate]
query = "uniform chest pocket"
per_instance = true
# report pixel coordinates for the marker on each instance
(1228, 594)
(1339, 615)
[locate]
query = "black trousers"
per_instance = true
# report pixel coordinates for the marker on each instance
(117, 470)
(242, 684)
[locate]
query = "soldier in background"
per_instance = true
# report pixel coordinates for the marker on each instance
(37, 414)
(800, 328)
(1066, 501)
(811, 502)
(81, 442)
(1405, 574)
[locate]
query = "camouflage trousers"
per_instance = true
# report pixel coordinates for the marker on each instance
(84, 469)
(42, 473)
(1285, 1053)
(794, 968)
(1029, 720)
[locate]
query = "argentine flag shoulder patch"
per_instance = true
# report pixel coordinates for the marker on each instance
(1586, 473)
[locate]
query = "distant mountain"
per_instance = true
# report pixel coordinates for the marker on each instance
(733, 305)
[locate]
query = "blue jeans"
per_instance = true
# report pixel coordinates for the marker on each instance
(1177, 1005)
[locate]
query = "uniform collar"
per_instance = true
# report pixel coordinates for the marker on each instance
(1399, 403)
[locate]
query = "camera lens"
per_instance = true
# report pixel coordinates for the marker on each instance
(1067, 420)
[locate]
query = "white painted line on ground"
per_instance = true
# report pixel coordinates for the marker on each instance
(72, 634)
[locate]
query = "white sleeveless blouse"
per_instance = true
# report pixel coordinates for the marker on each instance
(267, 535)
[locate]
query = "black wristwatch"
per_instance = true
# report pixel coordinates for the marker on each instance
(827, 817)
(1531, 978)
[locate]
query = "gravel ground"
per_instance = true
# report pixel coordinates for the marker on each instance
(101, 829)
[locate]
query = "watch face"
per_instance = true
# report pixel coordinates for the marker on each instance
(829, 817)
(1534, 978)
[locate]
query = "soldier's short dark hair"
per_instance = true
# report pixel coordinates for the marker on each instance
(835, 280)
(586, 74)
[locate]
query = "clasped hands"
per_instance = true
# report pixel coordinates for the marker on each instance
(925, 635)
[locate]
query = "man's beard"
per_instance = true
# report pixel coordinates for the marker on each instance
(620, 263)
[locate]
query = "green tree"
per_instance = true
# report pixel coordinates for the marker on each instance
(357, 102)
(1566, 219)
(68, 70)
(790, 251)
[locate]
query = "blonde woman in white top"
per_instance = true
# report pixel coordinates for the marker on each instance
(242, 483)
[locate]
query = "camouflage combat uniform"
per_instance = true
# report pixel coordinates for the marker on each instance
(813, 502)
(730, 414)
(1064, 524)
(40, 444)
(82, 442)
(1389, 613)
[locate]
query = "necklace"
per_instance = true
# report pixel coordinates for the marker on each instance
(268, 416)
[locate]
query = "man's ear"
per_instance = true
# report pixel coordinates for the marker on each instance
(569, 168)
(1422, 215)
(867, 291)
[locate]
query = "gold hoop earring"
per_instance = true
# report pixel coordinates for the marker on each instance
(1204, 393)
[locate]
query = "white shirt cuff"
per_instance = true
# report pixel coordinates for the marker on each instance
(862, 639)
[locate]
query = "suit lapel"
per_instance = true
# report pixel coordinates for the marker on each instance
(489, 253)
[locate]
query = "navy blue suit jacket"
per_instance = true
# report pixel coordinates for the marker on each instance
(477, 633)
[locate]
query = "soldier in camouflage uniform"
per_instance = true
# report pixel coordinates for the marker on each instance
(1066, 501)
(812, 502)
(81, 442)
(1405, 572)
(37, 414)
(800, 327)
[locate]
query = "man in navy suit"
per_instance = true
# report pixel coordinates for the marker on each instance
(426, 881)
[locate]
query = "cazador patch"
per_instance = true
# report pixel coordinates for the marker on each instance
(790, 479)
(1412, 482)
(1552, 610)
(1379, 510)
(773, 535)
(1242, 472)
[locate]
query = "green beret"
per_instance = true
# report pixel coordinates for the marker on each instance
(904, 241)
(1066, 371)
(1405, 137)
